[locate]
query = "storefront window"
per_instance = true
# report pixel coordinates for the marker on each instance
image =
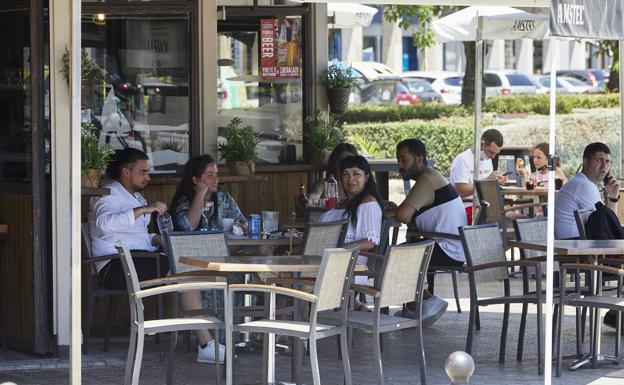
(268, 96)
(144, 100)
(249, 3)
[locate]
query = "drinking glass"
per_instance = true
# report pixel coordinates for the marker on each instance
(207, 210)
(270, 221)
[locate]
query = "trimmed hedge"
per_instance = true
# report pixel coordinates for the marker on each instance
(537, 104)
(393, 113)
(444, 138)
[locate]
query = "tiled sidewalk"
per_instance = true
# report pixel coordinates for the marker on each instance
(446, 336)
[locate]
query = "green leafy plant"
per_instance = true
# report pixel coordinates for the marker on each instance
(322, 131)
(337, 76)
(92, 155)
(90, 74)
(241, 142)
(366, 146)
(170, 144)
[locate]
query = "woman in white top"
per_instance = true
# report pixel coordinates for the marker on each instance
(362, 207)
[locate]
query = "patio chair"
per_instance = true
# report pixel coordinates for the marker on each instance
(330, 292)
(485, 259)
(493, 208)
(596, 301)
(140, 327)
(433, 270)
(581, 217)
(95, 289)
(533, 229)
(401, 279)
(319, 236)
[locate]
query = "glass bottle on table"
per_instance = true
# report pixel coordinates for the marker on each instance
(302, 202)
(331, 192)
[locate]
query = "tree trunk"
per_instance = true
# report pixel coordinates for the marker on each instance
(613, 84)
(468, 88)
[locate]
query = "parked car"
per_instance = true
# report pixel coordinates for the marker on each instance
(593, 77)
(383, 91)
(507, 82)
(566, 85)
(423, 90)
(370, 70)
(448, 84)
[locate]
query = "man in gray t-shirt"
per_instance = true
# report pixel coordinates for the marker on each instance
(581, 192)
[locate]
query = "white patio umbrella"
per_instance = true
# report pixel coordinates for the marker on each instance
(481, 23)
(350, 15)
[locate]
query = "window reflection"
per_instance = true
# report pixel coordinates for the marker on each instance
(144, 100)
(274, 108)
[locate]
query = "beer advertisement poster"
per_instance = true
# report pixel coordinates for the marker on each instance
(280, 49)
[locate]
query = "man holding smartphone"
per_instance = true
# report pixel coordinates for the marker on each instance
(581, 192)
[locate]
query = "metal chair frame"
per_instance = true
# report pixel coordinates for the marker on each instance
(331, 290)
(487, 262)
(140, 327)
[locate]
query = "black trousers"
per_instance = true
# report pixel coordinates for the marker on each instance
(112, 274)
(439, 259)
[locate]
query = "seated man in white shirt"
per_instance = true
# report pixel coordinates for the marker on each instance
(462, 168)
(432, 205)
(581, 192)
(124, 215)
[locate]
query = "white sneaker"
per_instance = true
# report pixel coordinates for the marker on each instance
(207, 354)
(432, 309)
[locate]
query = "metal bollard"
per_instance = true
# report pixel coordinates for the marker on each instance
(459, 366)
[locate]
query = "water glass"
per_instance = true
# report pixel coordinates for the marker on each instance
(270, 221)
(206, 213)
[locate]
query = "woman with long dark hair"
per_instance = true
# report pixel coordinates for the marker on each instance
(362, 206)
(200, 183)
(341, 151)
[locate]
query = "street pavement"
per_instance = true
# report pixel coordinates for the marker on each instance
(399, 356)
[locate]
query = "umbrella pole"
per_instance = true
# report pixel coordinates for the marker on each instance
(621, 90)
(477, 124)
(552, 164)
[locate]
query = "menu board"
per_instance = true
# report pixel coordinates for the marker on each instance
(280, 48)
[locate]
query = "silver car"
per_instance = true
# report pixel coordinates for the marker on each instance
(507, 82)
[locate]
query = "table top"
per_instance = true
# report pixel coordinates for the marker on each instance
(233, 240)
(514, 190)
(577, 246)
(256, 264)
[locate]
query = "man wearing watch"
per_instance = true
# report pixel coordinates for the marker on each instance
(581, 192)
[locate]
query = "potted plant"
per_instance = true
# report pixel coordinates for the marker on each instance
(239, 151)
(90, 73)
(322, 133)
(339, 81)
(94, 158)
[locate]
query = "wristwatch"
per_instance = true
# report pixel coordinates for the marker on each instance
(614, 200)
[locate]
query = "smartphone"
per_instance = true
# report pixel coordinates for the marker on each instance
(607, 178)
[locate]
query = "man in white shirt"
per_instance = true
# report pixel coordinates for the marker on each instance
(462, 168)
(581, 192)
(124, 215)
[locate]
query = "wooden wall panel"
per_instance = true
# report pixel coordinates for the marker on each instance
(16, 271)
